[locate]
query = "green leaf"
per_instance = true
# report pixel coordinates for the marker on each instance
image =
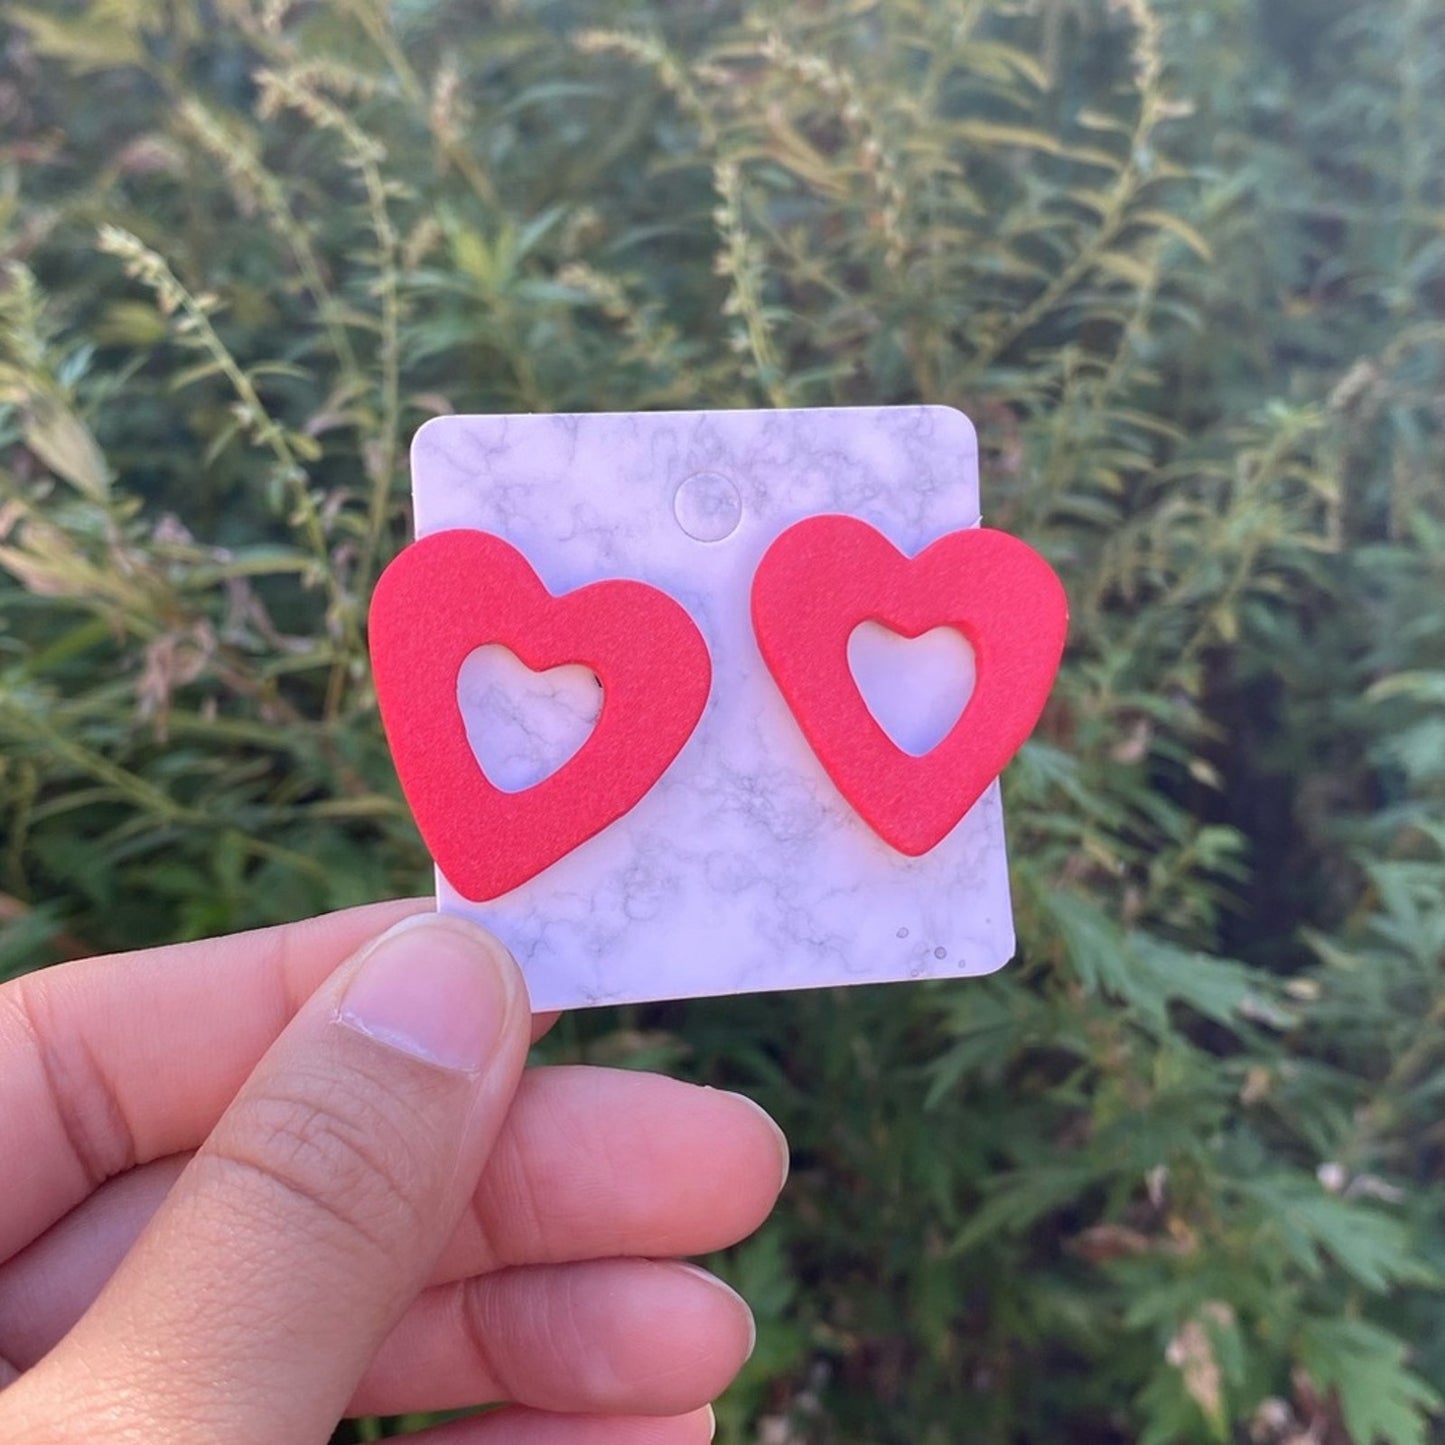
(64, 443)
(1218, 988)
(1178, 226)
(1022, 1199)
(1382, 1401)
(992, 133)
(99, 40)
(1093, 941)
(1373, 1247)
(1149, 973)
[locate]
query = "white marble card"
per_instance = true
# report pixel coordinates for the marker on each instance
(743, 869)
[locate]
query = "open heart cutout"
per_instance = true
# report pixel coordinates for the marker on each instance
(453, 592)
(524, 725)
(915, 687)
(825, 576)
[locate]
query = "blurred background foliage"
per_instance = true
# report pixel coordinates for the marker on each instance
(1178, 1174)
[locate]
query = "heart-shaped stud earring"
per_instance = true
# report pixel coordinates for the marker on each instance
(825, 576)
(453, 592)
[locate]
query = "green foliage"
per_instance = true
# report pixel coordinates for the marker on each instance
(1177, 1174)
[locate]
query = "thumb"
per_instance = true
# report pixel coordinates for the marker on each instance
(312, 1216)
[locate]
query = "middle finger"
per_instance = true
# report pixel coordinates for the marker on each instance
(592, 1164)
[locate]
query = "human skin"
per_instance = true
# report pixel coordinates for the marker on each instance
(257, 1183)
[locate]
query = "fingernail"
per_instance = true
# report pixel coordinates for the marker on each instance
(727, 1289)
(711, 1422)
(784, 1152)
(436, 988)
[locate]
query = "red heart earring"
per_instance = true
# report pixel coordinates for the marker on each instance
(824, 576)
(453, 592)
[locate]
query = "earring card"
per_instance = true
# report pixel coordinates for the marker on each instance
(742, 867)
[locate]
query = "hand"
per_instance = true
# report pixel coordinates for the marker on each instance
(251, 1185)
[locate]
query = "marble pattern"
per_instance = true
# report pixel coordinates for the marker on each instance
(743, 869)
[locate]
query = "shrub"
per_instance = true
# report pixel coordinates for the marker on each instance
(1176, 1174)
